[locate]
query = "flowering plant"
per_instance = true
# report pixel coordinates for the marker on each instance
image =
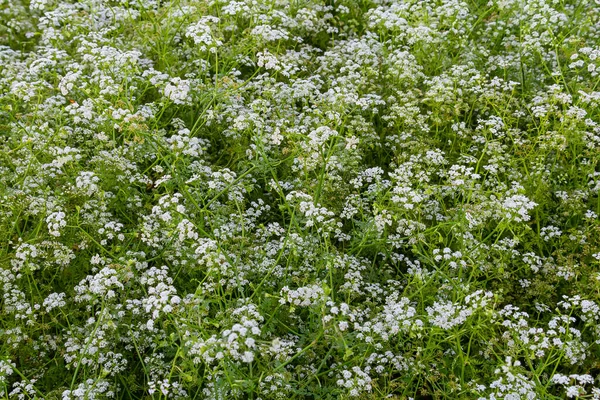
(248, 199)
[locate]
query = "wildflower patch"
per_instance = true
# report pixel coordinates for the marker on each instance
(264, 199)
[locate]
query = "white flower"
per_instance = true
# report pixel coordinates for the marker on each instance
(517, 207)
(56, 221)
(302, 297)
(268, 61)
(177, 90)
(201, 34)
(54, 300)
(67, 83)
(87, 182)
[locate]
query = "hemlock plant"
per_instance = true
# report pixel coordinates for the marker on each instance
(299, 199)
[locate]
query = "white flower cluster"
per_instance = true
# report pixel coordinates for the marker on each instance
(560, 336)
(355, 381)
(23, 389)
(90, 390)
(56, 222)
(396, 318)
(162, 296)
(574, 384)
(454, 258)
(68, 81)
(40, 5)
(238, 343)
(269, 33)
(303, 296)
(6, 369)
(54, 300)
(268, 61)
(178, 91)
(101, 286)
(516, 208)
(87, 182)
(549, 232)
(202, 34)
(162, 222)
(446, 314)
(316, 216)
(511, 383)
(275, 386)
(25, 256)
(167, 388)
(184, 143)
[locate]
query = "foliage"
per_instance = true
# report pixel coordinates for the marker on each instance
(266, 199)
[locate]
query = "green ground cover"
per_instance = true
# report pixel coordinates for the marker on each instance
(299, 199)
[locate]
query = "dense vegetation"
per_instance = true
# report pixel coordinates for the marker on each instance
(263, 199)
